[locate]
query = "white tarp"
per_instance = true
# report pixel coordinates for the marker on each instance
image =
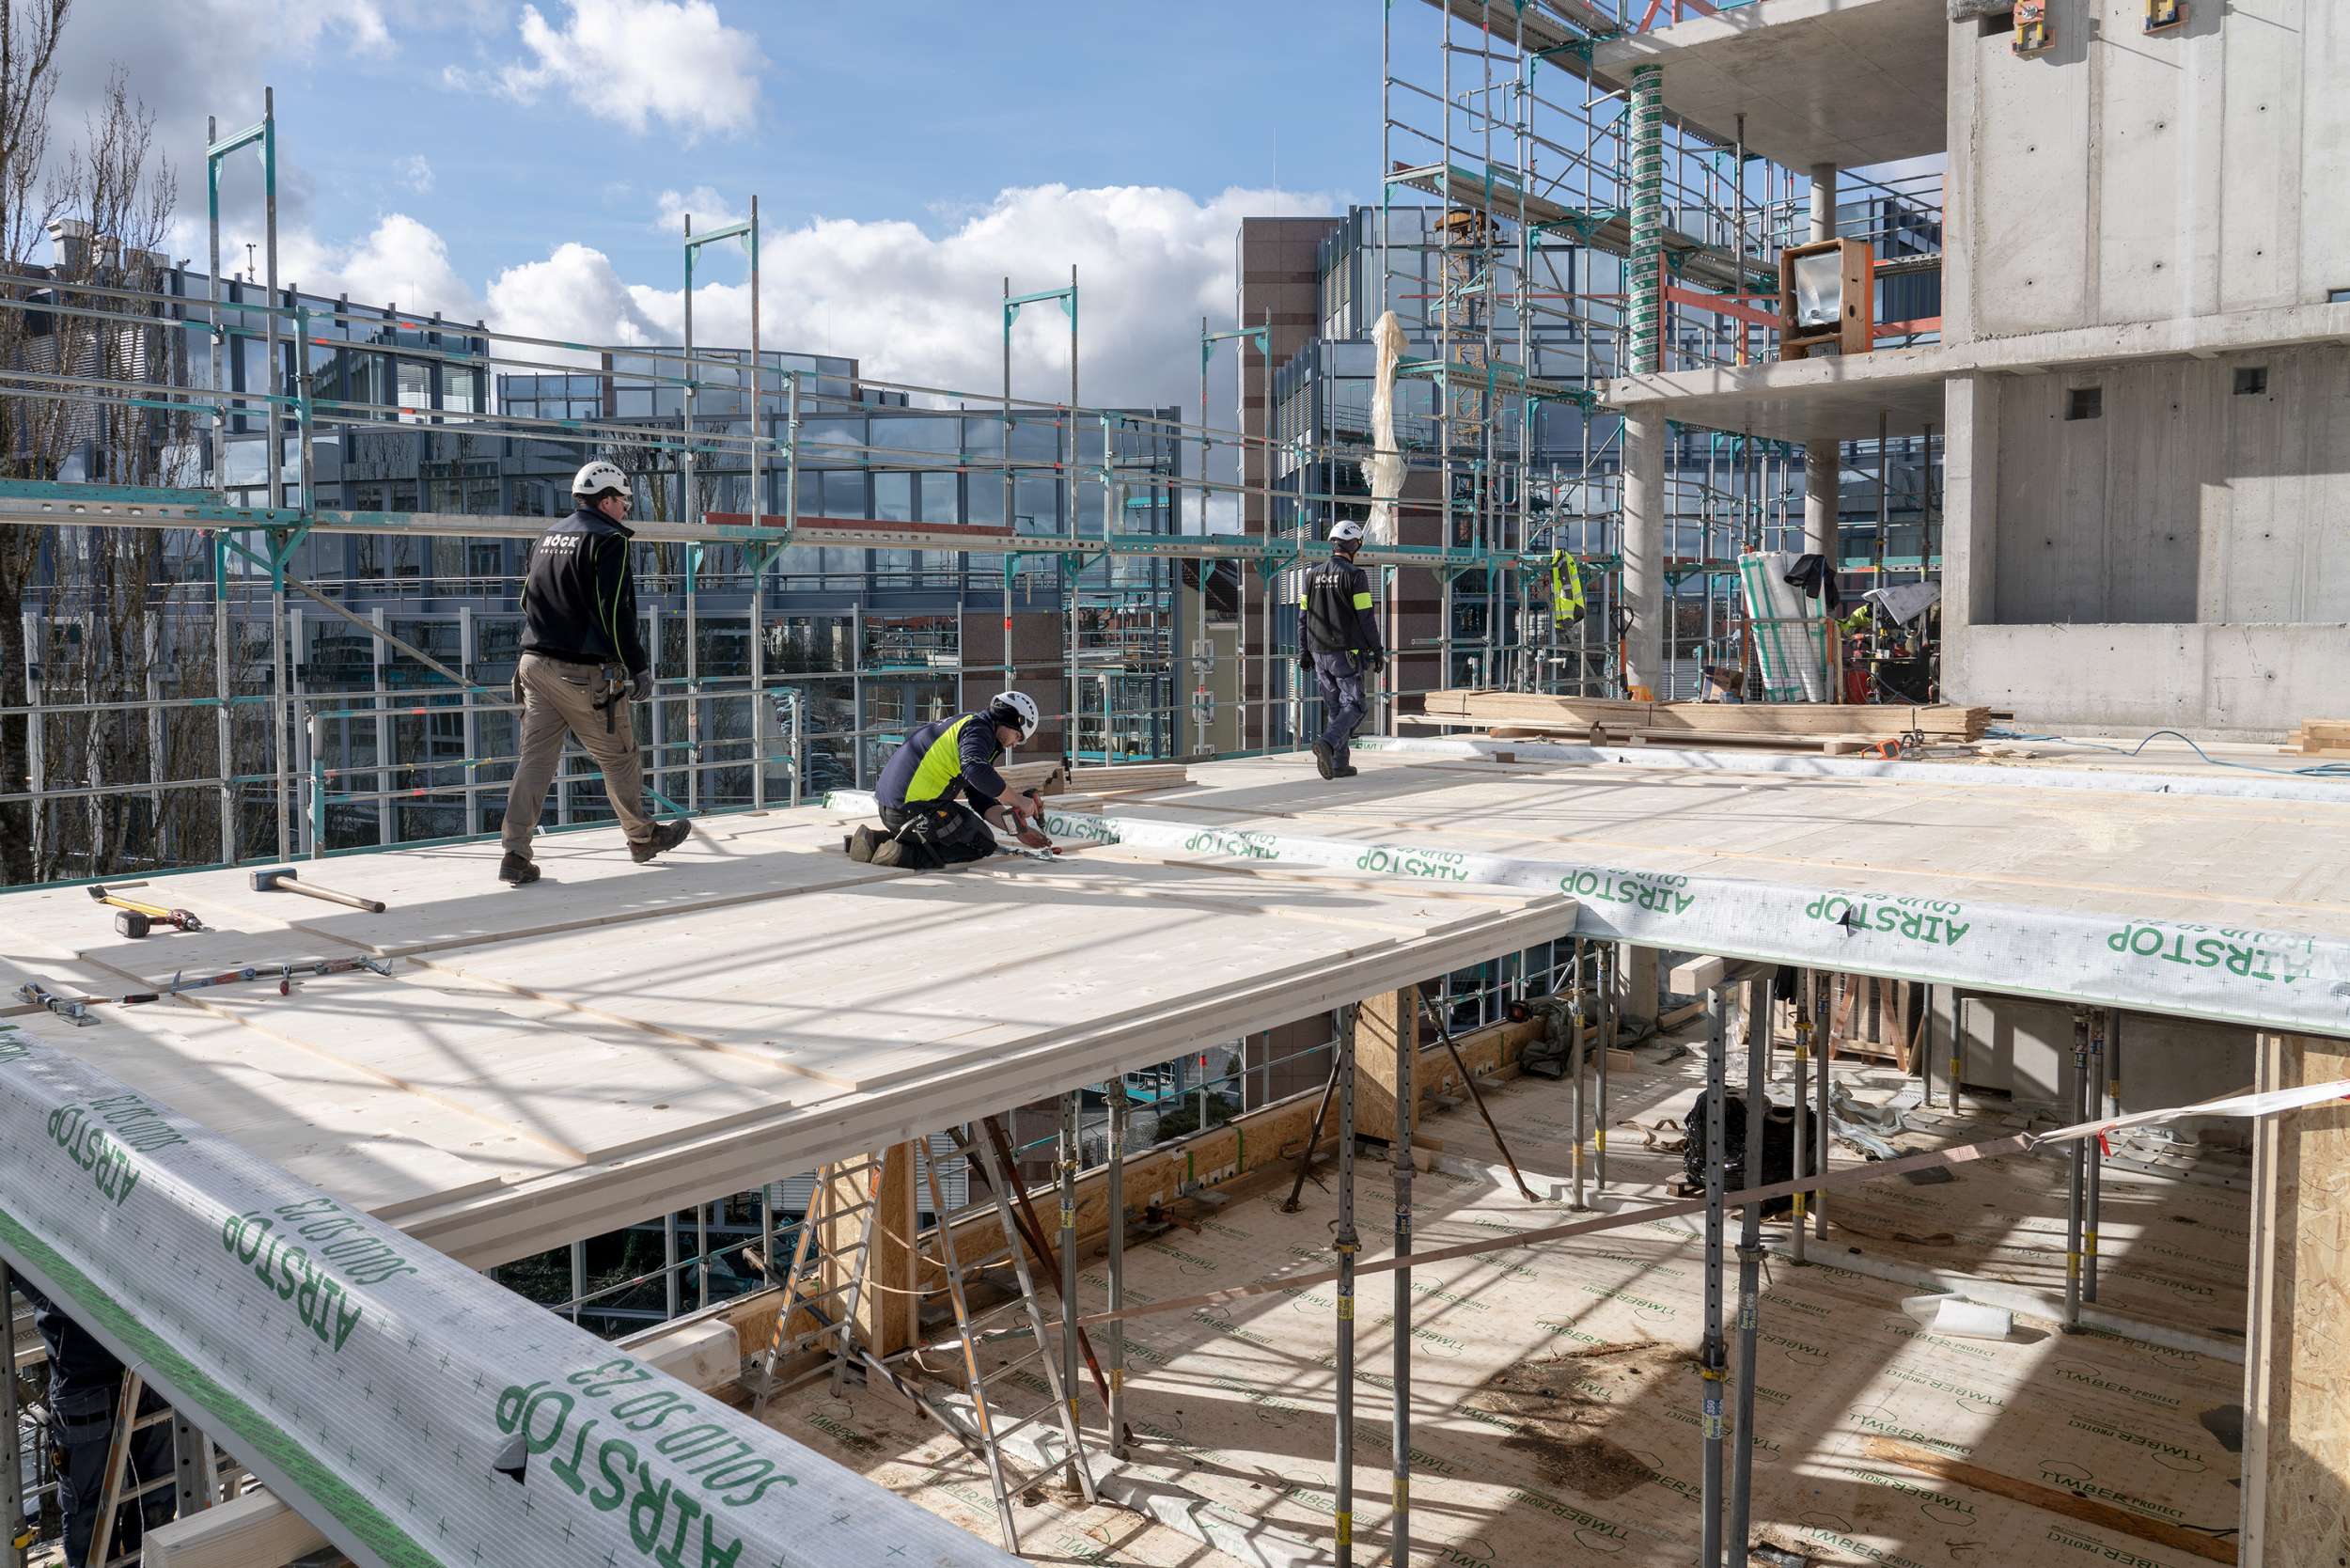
(1786, 629)
(1382, 472)
(1903, 602)
(376, 1385)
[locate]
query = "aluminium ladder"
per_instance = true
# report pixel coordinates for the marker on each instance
(837, 1326)
(975, 1419)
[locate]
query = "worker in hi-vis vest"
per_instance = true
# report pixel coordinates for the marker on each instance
(1566, 589)
(924, 826)
(1339, 640)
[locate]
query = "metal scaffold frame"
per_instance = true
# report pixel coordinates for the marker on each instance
(1585, 232)
(283, 727)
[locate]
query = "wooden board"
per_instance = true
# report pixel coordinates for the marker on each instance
(1939, 722)
(556, 1061)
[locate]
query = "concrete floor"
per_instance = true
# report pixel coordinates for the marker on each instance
(1555, 1394)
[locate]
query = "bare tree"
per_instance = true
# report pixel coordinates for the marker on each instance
(86, 614)
(29, 31)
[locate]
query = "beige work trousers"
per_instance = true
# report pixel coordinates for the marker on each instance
(560, 697)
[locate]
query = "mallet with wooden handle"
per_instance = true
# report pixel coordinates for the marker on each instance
(284, 879)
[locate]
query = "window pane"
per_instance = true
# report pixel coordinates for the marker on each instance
(938, 498)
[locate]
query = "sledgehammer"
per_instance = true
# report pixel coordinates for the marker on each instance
(284, 879)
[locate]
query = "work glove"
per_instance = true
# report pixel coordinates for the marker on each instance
(640, 686)
(1304, 661)
(1378, 660)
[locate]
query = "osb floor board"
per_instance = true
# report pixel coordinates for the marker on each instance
(2139, 857)
(893, 1447)
(1556, 1401)
(2171, 1253)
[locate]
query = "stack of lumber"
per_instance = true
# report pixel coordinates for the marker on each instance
(1775, 723)
(1128, 776)
(1045, 778)
(2321, 738)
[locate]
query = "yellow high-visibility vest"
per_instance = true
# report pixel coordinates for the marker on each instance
(1566, 588)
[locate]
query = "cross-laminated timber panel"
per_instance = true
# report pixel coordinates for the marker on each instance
(2232, 907)
(546, 1063)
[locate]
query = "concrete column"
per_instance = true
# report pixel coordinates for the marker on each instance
(1821, 460)
(1637, 1005)
(1970, 498)
(1644, 438)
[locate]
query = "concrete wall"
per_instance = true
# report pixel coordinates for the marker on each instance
(2021, 1047)
(2241, 680)
(2184, 500)
(2127, 177)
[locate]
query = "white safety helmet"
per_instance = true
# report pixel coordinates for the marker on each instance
(1017, 708)
(1346, 533)
(596, 478)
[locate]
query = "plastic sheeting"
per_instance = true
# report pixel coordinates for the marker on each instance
(1786, 638)
(1383, 471)
(415, 1413)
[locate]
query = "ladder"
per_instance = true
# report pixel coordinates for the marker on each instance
(975, 1411)
(196, 1474)
(836, 1325)
(982, 1416)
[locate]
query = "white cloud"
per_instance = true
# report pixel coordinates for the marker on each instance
(634, 61)
(575, 294)
(924, 309)
(416, 172)
(191, 58)
(913, 306)
(708, 209)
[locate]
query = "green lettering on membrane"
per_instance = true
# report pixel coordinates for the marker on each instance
(224, 1414)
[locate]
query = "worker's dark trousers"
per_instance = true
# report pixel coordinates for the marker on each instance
(948, 832)
(81, 1430)
(1341, 678)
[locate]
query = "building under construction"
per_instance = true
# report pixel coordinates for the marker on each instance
(1882, 1116)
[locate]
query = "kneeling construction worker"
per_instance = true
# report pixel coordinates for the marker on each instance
(923, 825)
(1339, 640)
(583, 670)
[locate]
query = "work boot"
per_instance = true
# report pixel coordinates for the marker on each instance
(1323, 760)
(1346, 770)
(889, 851)
(668, 835)
(863, 842)
(519, 869)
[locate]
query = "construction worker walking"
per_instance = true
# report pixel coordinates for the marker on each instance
(924, 826)
(1339, 640)
(583, 669)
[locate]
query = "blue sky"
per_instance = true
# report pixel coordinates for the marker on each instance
(526, 161)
